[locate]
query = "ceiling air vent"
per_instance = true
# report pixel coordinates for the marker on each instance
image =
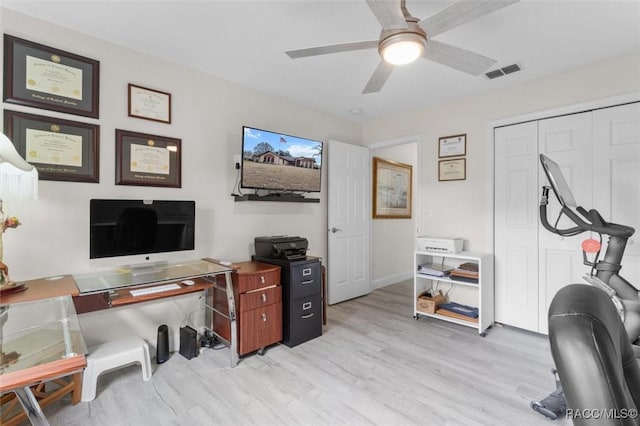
(503, 71)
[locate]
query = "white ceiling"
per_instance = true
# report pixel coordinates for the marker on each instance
(244, 42)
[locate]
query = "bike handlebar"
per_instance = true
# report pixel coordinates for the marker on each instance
(598, 224)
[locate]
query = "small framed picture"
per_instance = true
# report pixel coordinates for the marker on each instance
(452, 146)
(452, 169)
(149, 104)
(61, 150)
(148, 160)
(45, 77)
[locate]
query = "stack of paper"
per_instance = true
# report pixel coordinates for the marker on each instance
(435, 270)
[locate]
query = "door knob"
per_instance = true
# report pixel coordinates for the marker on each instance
(334, 229)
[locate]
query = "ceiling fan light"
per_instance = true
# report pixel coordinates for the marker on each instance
(403, 48)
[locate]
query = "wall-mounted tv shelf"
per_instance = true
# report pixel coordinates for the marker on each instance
(288, 198)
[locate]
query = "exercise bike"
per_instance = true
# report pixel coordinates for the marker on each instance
(604, 272)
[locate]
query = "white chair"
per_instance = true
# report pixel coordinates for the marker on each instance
(113, 355)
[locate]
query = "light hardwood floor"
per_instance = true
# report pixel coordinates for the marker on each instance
(374, 365)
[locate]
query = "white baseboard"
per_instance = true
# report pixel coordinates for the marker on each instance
(391, 279)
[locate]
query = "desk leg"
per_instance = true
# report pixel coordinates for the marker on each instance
(233, 345)
(31, 406)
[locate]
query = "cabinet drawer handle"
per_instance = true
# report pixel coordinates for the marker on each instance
(262, 279)
(306, 282)
(306, 305)
(264, 317)
(264, 297)
(307, 316)
(306, 271)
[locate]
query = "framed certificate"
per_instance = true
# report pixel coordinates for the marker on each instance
(60, 149)
(391, 189)
(452, 169)
(148, 160)
(149, 104)
(44, 77)
(452, 146)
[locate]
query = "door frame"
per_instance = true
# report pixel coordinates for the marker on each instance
(416, 202)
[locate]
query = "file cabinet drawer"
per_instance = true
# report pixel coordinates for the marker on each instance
(305, 280)
(252, 278)
(260, 297)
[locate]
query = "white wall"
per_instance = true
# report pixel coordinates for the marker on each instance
(208, 115)
(464, 208)
(392, 240)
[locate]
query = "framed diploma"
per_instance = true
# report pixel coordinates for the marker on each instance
(452, 146)
(452, 169)
(60, 149)
(391, 189)
(148, 160)
(149, 104)
(44, 77)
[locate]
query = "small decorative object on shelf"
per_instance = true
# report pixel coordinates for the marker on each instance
(6, 222)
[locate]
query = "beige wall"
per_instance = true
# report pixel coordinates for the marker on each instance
(464, 208)
(208, 115)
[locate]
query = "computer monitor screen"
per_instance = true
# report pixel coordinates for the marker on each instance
(558, 182)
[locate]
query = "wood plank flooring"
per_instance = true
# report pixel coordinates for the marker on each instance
(374, 365)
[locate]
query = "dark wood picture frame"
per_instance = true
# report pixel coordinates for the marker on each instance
(148, 104)
(392, 189)
(454, 169)
(452, 146)
(148, 160)
(61, 150)
(44, 77)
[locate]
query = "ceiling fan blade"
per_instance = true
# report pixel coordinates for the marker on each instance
(460, 13)
(379, 78)
(455, 57)
(389, 13)
(332, 48)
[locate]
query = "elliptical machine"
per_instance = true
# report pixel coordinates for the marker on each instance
(604, 272)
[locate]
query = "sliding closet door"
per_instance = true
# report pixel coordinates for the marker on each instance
(567, 141)
(516, 225)
(616, 164)
(599, 154)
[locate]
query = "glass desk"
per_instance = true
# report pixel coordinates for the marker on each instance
(106, 289)
(40, 340)
(97, 282)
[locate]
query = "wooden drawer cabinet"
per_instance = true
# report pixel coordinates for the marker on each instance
(258, 297)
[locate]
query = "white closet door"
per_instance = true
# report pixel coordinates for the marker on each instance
(616, 164)
(567, 140)
(516, 225)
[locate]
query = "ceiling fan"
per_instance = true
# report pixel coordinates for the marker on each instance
(404, 38)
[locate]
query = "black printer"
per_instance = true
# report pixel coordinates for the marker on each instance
(281, 247)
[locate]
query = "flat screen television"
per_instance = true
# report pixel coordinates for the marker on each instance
(129, 227)
(279, 162)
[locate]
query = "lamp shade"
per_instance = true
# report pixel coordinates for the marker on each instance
(18, 179)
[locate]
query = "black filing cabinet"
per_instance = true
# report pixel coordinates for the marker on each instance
(301, 298)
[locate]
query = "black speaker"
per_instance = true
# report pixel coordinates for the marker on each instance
(188, 342)
(162, 347)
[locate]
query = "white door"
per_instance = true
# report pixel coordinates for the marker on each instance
(516, 225)
(616, 184)
(567, 140)
(349, 221)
